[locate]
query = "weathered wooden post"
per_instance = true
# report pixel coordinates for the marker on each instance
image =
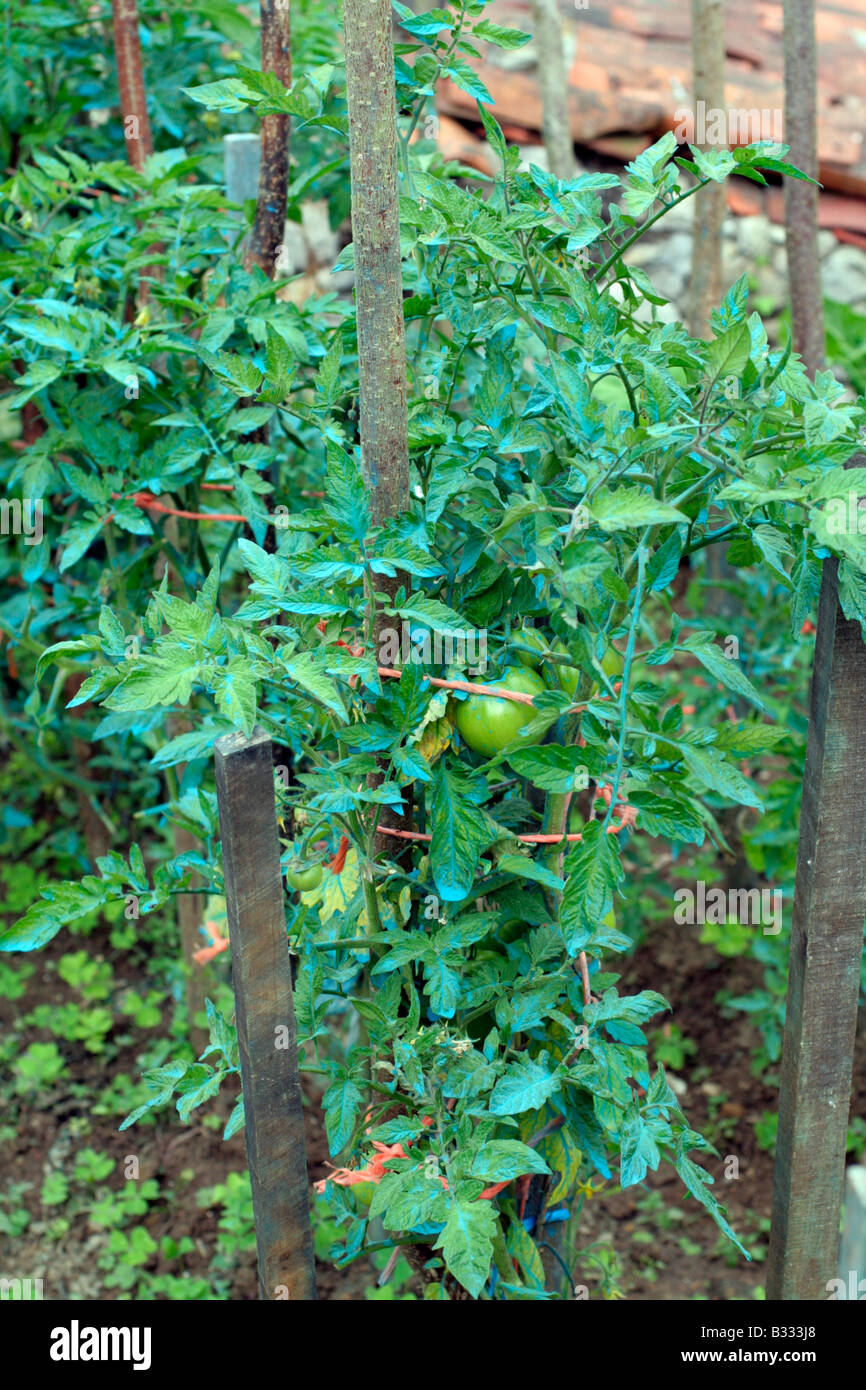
(267, 1044)
(830, 887)
(269, 226)
(553, 88)
(130, 82)
(708, 88)
(824, 978)
(383, 422)
(371, 101)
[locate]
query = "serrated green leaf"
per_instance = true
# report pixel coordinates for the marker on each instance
(722, 668)
(500, 1160)
(525, 1086)
(593, 872)
(628, 509)
(467, 1243)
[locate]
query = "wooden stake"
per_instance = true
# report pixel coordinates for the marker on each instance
(801, 199)
(270, 224)
(553, 88)
(830, 888)
(383, 419)
(708, 86)
(824, 978)
(265, 1016)
(130, 81)
(383, 422)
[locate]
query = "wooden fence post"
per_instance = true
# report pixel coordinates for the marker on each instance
(830, 886)
(261, 973)
(824, 977)
(383, 422)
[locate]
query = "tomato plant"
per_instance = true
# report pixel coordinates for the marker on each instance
(570, 454)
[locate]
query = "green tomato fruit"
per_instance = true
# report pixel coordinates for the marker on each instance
(566, 677)
(304, 877)
(612, 663)
(486, 724)
(510, 931)
(529, 637)
(363, 1193)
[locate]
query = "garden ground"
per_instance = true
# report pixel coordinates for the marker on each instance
(85, 1244)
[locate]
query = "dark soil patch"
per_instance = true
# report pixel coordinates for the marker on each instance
(684, 1256)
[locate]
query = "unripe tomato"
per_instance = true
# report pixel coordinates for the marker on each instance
(304, 877)
(487, 724)
(510, 931)
(565, 677)
(612, 663)
(529, 637)
(363, 1193)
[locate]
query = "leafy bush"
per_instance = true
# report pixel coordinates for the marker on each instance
(569, 454)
